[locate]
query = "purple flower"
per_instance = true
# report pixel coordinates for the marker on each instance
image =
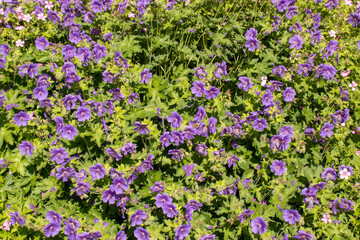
(176, 137)
(188, 169)
(200, 72)
(141, 234)
(198, 88)
(162, 199)
(286, 131)
(316, 37)
(83, 113)
(52, 229)
(15, 218)
(59, 124)
(279, 71)
(165, 139)
(182, 232)
(278, 167)
(212, 125)
(289, 94)
(213, 92)
(354, 19)
(109, 196)
(282, 5)
(145, 76)
(327, 71)
(120, 61)
(201, 149)
(291, 12)
(245, 83)
(260, 124)
(40, 93)
(296, 42)
(99, 52)
(138, 217)
(326, 130)
(175, 119)
(258, 225)
(200, 114)
(220, 69)
(176, 154)
(69, 51)
(26, 148)
(4, 50)
(331, 4)
(64, 173)
(121, 236)
(252, 44)
(69, 132)
(52, 216)
(96, 6)
(119, 185)
(208, 237)
(246, 214)
(97, 171)
(232, 161)
(21, 118)
(304, 235)
(32, 70)
(169, 209)
(251, 33)
(142, 128)
(267, 99)
(84, 54)
(291, 216)
(41, 43)
(74, 37)
(329, 173)
(58, 155)
(158, 187)
(346, 205)
(82, 188)
(69, 102)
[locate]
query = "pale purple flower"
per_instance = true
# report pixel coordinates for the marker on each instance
(326, 130)
(278, 167)
(289, 94)
(296, 42)
(258, 225)
(291, 216)
(245, 83)
(198, 88)
(69, 132)
(26, 148)
(41, 43)
(97, 171)
(21, 118)
(141, 234)
(83, 114)
(175, 119)
(260, 124)
(138, 217)
(145, 76)
(182, 232)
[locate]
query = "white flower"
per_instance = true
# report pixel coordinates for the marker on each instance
(19, 28)
(263, 80)
(41, 16)
(27, 18)
(48, 5)
(19, 43)
(131, 15)
(353, 85)
(332, 33)
(345, 73)
(326, 218)
(1, 11)
(348, 2)
(18, 9)
(344, 174)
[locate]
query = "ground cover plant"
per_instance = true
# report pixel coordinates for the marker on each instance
(197, 119)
